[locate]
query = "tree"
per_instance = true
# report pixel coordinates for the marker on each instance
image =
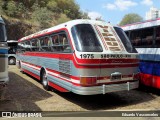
(130, 18)
(11, 9)
(43, 17)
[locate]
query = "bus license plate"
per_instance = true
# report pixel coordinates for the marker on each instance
(116, 77)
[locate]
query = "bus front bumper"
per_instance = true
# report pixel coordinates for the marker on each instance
(105, 88)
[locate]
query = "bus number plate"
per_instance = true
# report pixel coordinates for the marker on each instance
(116, 77)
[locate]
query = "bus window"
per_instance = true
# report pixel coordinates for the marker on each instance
(125, 40)
(158, 36)
(147, 37)
(27, 46)
(55, 42)
(135, 38)
(35, 45)
(64, 43)
(45, 44)
(2, 32)
(85, 38)
(12, 47)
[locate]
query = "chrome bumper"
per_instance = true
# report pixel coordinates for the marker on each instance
(105, 88)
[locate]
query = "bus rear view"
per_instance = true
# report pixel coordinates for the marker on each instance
(105, 59)
(3, 55)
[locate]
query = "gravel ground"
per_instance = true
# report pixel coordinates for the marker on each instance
(24, 93)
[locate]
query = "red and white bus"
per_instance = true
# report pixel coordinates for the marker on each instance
(85, 57)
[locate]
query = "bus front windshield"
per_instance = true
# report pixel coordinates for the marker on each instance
(12, 47)
(2, 32)
(85, 38)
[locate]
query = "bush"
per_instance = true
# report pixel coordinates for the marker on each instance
(43, 17)
(11, 9)
(62, 18)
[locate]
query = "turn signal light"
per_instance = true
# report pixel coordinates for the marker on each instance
(88, 81)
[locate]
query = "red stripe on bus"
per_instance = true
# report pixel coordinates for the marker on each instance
(32, 65)
(61, 89)
(32, 74)
(63, 74)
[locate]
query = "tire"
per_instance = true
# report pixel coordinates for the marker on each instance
(11, 61)
(44, 81)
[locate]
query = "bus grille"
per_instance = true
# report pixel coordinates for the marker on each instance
(64, 66)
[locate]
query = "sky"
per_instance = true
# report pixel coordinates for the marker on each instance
(113, 11)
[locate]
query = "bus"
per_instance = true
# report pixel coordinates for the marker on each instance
(12, 44)
(3, 55)
(86, 57)
(145, 37)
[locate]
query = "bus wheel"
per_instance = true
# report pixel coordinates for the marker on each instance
(11, 61)
(45, 81)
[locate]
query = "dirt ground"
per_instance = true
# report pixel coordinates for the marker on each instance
(25, 93)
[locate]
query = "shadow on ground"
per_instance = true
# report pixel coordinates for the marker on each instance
(108, 101)
(21, 95)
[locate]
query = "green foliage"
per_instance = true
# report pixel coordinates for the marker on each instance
(84, 15)
(62, 18)
(130, 18)
(42, 16)
(33, 15)
(11, 9)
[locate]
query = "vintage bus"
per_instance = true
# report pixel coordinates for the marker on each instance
(3, 55)
(145, 36)
(12, 48)
(85, 57)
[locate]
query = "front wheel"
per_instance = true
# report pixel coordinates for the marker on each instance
(45, 81)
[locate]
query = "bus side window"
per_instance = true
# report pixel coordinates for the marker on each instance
(136, 38)
(35, 45)
(27, 46)
(45, 44)
(55, 42)
(21, 47)
(65, 47)
(158, 36)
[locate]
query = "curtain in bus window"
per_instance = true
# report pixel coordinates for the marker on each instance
(158, 36)
(45, 44)
(85, 38)
(64, 44)
(125, 40)
(147, 37)
(2, 32)
(135, 38)
(55, 43)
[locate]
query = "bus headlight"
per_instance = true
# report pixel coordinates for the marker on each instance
(88, 81)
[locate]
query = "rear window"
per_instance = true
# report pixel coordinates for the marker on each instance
(125, 40)
(85, 38)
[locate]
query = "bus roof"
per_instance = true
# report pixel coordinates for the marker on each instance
(140, 25)
(1, 20)
(11, 41)
(63, 25)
